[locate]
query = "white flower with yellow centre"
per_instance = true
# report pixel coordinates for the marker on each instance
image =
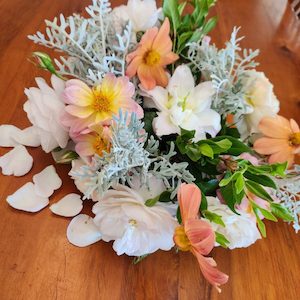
(183, 105)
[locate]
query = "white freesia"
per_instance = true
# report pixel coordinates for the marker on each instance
(240, 230)
(136, 229)
(44, 108)
(261, 100)
(143, 14)
(17, 162)
(184, 105)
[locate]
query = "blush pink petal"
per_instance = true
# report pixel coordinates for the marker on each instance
(294, 126)
(84, 149)
(161, 77)
(209, 271)
(286, 154)
(78, 96)
(276, 127)
(148, 38)
(189, 197)
(146, 78)
(80, 112)
(169, 58)
(269, 146)
(162, 43)
(133, 66)
(200, 234)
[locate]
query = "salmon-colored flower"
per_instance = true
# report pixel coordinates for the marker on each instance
(153, 54)
(89, 106)
(281, 141)
(196, 235)
(95, 142)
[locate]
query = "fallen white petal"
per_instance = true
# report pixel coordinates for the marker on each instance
(28, 137)
(17, 162)
(46, 182)
(82, 231)
(26, 199)
(7, 132)
(68, 206)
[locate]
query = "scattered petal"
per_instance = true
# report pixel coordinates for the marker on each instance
(17, 162)
(82, 231)
(26, 199)
(28, 137)
(7, 132)
(46, 182)
(68, 206)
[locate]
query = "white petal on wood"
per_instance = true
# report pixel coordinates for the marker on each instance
(17, 162)
(82, 231)
(26, 199)
(7, 132)
(28, 137)
(68, 206)
(46, 182)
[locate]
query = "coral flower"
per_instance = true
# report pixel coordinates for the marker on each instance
(95, 142)
(153, 54)
(196, 235)
(88, 106)
(281, 141)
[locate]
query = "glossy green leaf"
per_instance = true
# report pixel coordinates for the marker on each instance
(258, 190)
(281, 212)
(261, 179)
(221, 240)
(213, 217)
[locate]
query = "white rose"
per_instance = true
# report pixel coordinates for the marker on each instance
(136, 229)
(44, 108)
(240, 230)
(143, 14)
(262, 102)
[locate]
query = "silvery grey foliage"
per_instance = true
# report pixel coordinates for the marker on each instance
(226, 68)
(92, 46)
(129, 157)
(288, 193)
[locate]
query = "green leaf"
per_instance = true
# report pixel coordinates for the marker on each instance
(213, 217)
(258, 190)
(261, 179)
(268, 215)
(274, 169)
(148, 119)
(237, 147)
(221, 239)
(170, 9)
(260, 223)
(281, 212)
(239, 183)
(138, 259)
(208, 187)
(193, 152)
(181, 7)
(165, 197)
(224, 144)
(206, 150)
(178, 215)
(211, 23)
(203, 204)
(231, 197)
(152, 202)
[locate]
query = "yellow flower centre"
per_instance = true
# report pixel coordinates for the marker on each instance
(181, 239)
(249, 99)
(132, 222)
(102, 101)
(151, 58)
(101, 145)
(295, 139)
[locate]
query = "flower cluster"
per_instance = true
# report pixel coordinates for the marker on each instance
(176, 142)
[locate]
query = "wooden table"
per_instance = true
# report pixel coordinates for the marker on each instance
(36, 260)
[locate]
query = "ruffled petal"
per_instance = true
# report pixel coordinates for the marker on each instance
(68, 206)
(82, 231)
(17, 162)
(46, 182)
(26, 199)
(7, 134)
(189, 197)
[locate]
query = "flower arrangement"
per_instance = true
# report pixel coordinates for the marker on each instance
(178, 143)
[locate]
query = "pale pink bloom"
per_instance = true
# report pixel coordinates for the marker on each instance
(97, 142)
(196, 235)
(89, 106)
(281, 141)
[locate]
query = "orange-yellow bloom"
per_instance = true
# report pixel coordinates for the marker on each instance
(153, 54)
(281, 141)
(196, 235)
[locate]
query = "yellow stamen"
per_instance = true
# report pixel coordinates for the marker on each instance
(295, 139)
(151, 58)
(181, 239)
(101, 145)
(132, 222)
(102, 102)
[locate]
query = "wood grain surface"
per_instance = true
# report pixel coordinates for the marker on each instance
(36, 260)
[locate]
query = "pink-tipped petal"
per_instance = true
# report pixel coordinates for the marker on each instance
(189, 197)
(200, 234)
(210, 272)
(80, 112)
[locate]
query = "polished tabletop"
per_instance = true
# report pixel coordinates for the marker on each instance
(37, 261)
